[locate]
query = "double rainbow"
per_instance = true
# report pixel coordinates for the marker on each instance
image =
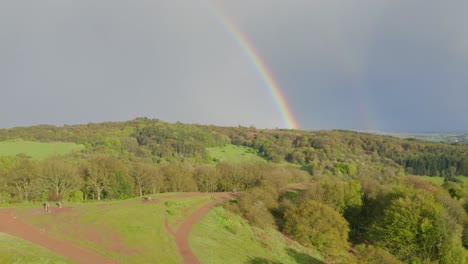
(248, 48)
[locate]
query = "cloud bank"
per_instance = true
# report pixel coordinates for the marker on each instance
(363, 65)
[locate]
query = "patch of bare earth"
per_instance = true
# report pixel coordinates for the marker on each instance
(181, 235)
(13, 225)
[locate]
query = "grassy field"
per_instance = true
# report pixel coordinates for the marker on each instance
(440, 180)
(129, 231)
(224, 237)
(233, 153)
(37, 150)
(15, 250)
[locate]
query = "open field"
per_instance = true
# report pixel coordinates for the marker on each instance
(160, 230)
(440, 180)
(16, 250)
(224, 237)
(130, 231)
(37, 150)
(233, 153)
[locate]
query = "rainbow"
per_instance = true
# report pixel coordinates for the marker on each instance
(248, 48)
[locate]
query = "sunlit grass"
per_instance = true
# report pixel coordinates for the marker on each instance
(37, 150)
(224, 237)
(233, 153)
(16, 250)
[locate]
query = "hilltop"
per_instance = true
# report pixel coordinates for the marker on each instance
(363, 197)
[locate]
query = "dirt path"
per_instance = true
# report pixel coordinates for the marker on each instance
(181, 235)
(14, 226)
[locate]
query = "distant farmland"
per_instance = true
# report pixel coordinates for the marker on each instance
(37, 150)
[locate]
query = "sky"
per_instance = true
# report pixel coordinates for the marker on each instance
(366, 65)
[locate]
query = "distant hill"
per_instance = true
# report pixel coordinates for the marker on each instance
(450, 138)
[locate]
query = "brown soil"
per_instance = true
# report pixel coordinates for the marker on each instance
(181, 235)
(14, 226)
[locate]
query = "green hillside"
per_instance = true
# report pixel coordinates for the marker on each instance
(366, 195)
(130, 231)
(233, 153)
(244, 243)
(37, 150)
(16, 250)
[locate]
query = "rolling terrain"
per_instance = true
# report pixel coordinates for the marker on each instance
(218, 195)
(132, 231)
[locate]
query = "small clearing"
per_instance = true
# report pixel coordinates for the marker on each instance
(37, 150)
(234, 153)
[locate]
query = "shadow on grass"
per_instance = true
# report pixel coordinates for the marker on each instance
(300, 257)
(258, 260)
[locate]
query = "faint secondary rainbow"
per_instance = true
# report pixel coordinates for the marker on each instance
(273, 87)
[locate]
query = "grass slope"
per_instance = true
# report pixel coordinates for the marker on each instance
(233, 153)
(224, 237)
(15, 250)
(440, 180)
(37, 150)
(128, 231)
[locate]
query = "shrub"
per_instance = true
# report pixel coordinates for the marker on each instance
(76, 196)
(319, 225)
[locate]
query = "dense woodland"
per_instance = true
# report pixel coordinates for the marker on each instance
(364, 203)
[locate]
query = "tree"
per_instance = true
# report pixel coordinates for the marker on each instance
(99, 173)
(178, 177)
(23, 180)
(144, 176)
(121, 187)
(59, 178)
(413, 226)
(207, 178)
(319, 225)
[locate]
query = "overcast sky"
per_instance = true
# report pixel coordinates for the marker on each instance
(387, 65)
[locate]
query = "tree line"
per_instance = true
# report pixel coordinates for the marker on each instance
(107, 177)
(162, 141)
(364, 218)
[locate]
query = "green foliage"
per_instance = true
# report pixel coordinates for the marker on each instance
(319, 225)
(344, 196)
(348, 169)
(121, 187)
(413, 226)
(369, 254)
(76, 196)
(256, 203)
(244, 243)
(5, 198)
(361, 176)
(59, 178)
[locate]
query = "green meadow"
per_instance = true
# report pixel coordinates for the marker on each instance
(15, 250)
(440, 180)
(129, 231)
(234, 153)
(224, 237)
(37, 150)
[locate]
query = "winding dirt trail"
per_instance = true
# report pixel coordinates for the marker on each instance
(181, 235)
(14, 226)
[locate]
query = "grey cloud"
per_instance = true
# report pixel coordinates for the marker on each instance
(384, 65)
